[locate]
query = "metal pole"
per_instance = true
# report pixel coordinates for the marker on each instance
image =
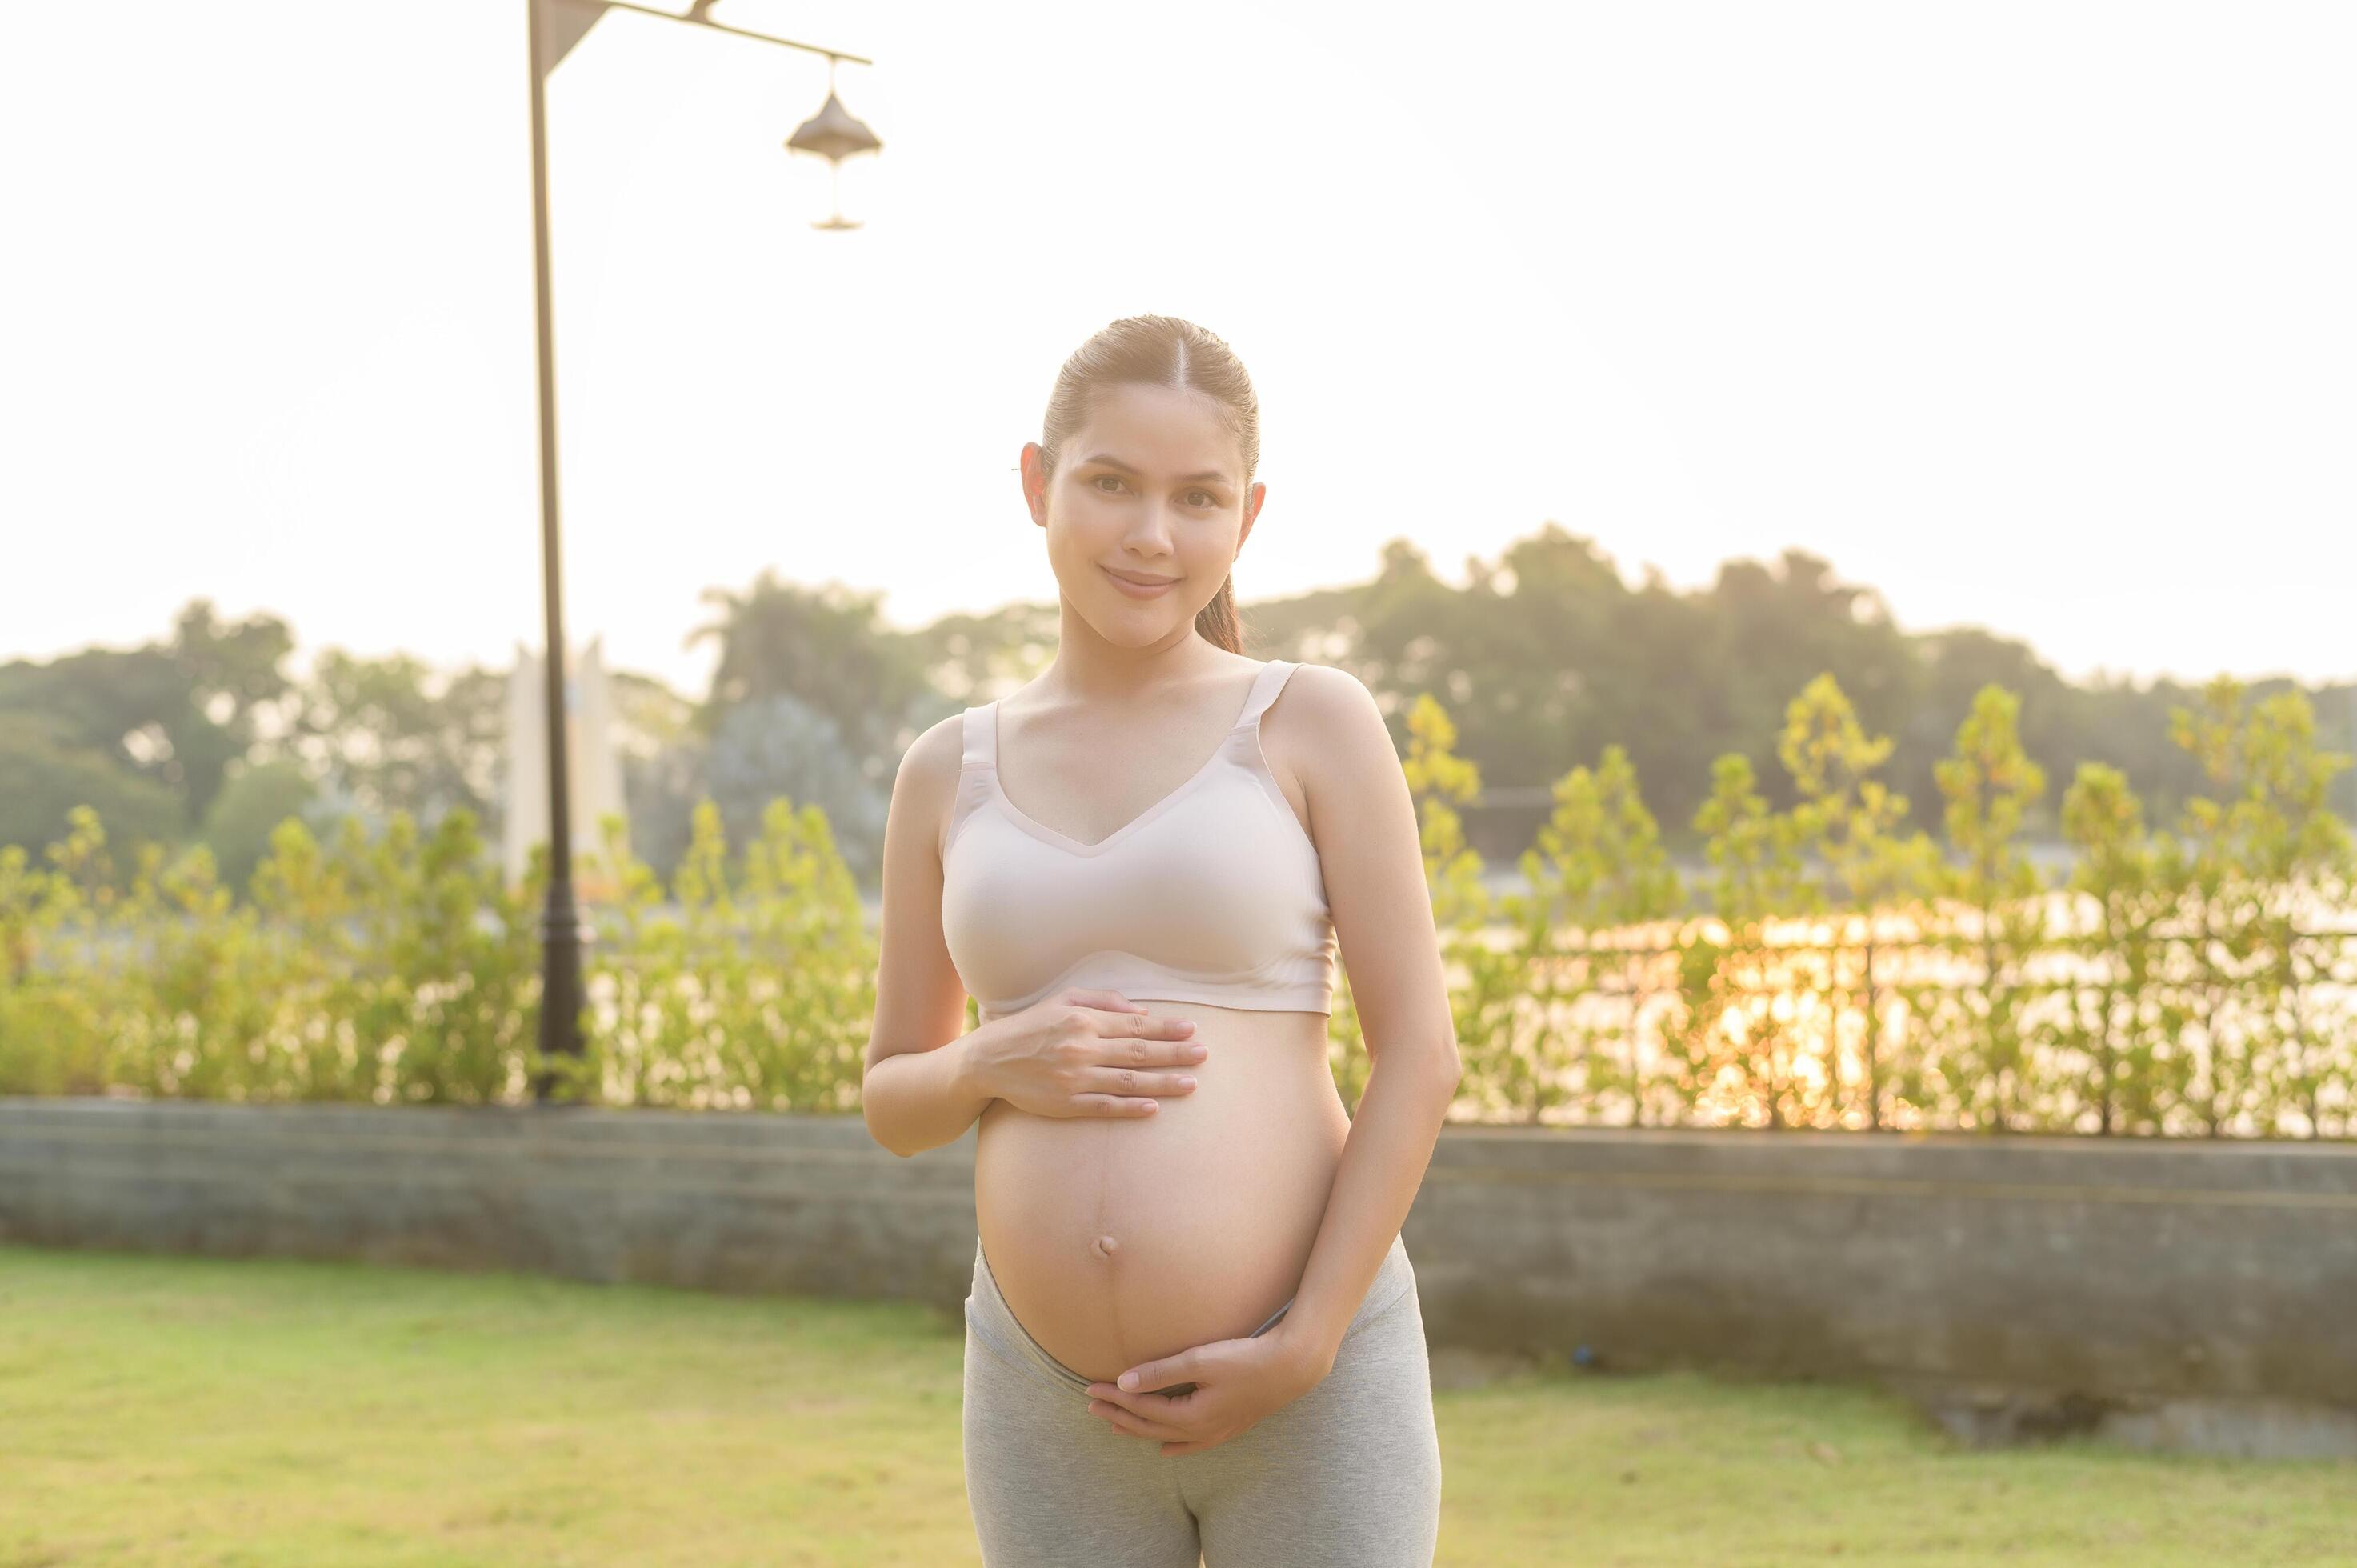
(563, 933)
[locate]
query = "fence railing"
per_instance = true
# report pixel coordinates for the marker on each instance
(1909, 1024)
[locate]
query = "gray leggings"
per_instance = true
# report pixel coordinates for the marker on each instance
(1349, 1473)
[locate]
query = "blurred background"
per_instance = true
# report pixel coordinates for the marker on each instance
(2024, 330)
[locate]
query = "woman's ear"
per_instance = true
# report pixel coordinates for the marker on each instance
(1253, 497)
(1035, 481)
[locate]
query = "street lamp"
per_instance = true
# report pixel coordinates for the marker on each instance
(832, 134)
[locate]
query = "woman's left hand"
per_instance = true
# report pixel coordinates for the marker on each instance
(1237, 1383)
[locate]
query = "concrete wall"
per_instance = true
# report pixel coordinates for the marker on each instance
(2186, 1295)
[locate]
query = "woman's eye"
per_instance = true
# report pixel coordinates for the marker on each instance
(1198, 497)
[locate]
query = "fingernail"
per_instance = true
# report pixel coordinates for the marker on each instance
(1129, 1382)
(1185, 1082)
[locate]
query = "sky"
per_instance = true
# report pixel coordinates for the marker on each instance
(2031, 316)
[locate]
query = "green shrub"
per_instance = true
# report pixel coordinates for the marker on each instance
(2195, 981)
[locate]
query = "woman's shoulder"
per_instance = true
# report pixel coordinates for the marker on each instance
(1327, 694)
(1325, 727)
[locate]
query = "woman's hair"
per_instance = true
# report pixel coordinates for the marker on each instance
(1161, 351)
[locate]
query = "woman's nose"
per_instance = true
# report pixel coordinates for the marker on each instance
(1153, 526)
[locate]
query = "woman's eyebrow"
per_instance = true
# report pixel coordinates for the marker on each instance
(1107, 460)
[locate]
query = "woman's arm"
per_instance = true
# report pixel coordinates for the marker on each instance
(919, 1088)
(1362, 821)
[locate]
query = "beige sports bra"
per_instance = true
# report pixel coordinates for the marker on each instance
(1212, 894)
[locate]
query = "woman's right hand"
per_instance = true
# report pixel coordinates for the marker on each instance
(1086, 1053)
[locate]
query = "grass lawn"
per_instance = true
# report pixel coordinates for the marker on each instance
(192, 1410)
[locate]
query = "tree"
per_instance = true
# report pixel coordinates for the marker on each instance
(2129, 1067)
(46, 774)
(1850, 818)
(1731, 983)
(2253, 853)
(392, 734)
(1596, 868)
(781, 747)
(246, 814)
(1990, 786)
(826, 648)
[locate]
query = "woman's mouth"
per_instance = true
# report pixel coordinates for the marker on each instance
(1140, 587)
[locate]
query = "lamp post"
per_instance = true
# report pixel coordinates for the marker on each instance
(832, 134)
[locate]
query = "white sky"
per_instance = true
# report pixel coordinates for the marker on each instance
(2033, 315)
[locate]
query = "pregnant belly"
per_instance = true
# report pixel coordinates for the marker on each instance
(1117, 1240)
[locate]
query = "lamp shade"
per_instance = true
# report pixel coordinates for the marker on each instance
(833, 133)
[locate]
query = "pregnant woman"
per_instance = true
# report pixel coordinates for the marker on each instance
(1194, 1333)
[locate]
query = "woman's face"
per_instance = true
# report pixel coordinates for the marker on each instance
(1146, 510)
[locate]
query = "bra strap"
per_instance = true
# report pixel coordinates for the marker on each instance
(1265, 689)
(981, 738)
